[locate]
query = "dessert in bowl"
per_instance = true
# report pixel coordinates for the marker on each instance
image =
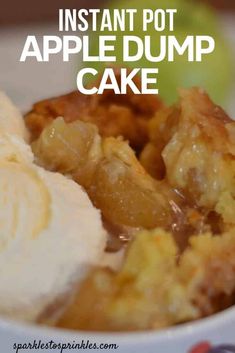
(114, 236)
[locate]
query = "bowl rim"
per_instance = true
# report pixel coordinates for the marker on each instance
(182, 331)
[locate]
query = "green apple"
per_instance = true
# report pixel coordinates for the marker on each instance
(213, 73)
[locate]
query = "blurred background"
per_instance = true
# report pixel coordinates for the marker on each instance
(31, 81)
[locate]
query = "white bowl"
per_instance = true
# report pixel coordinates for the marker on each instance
(218, 329)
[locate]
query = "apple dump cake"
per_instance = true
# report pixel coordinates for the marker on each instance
(118, 206)
(167, 201)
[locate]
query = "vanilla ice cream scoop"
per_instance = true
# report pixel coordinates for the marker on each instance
(11, 120)
(50, 233)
